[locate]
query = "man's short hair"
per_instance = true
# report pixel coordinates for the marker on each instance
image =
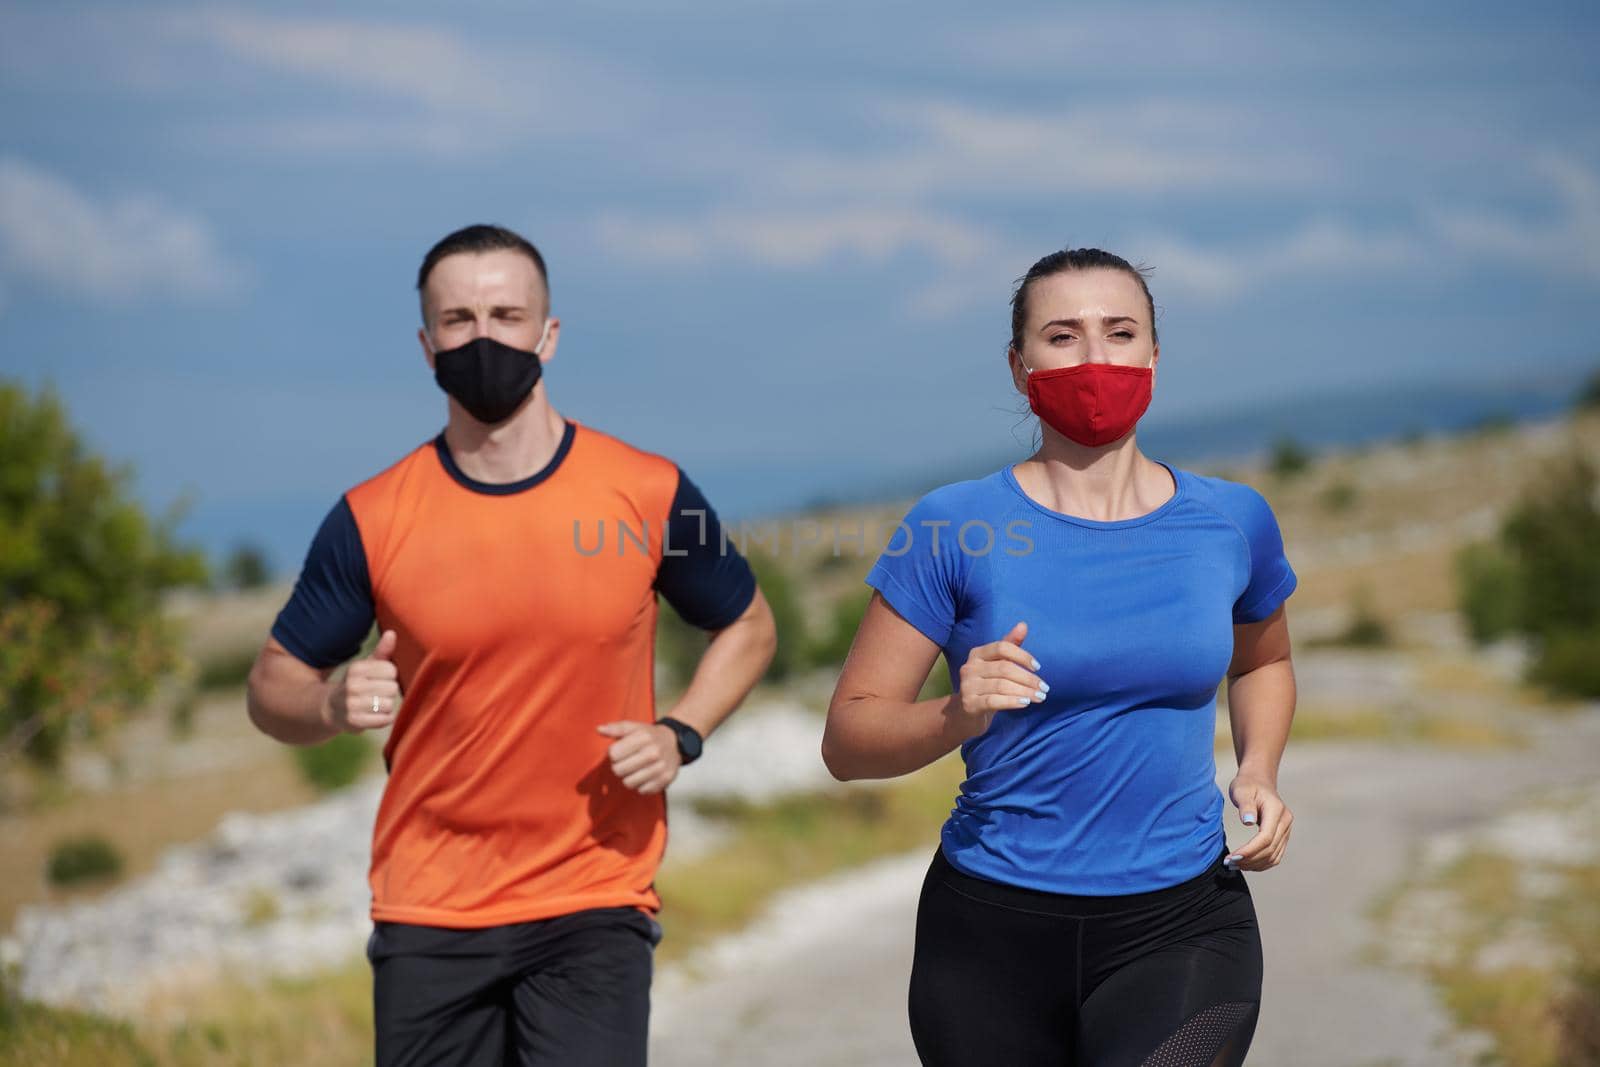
(481, 238)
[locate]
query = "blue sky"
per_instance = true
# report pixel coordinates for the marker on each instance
(781, 236)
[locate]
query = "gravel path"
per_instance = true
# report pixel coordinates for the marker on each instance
(823, 978)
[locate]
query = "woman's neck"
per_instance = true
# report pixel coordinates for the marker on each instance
(1105, 484)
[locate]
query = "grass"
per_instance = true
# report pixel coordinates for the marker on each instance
(1321, 722)
(141, 820)
(798, 839)
(1538, 1015)
(327, 1018)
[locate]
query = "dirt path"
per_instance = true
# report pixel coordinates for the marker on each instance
(823, 979)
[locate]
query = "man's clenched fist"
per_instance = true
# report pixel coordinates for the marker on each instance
(645, 755)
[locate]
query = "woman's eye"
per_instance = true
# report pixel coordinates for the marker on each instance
(1122, 333)
(1061, 337)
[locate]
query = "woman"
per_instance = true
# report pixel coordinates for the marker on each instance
(1083, 906)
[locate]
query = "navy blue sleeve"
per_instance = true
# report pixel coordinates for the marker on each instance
(920, 571)
(702, 575)
(330, 611)
(1271, 577)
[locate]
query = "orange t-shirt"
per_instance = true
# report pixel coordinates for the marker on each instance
(525, 615)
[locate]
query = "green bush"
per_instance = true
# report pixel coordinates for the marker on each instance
(227, 670)
(335, 763)
(1492, 425)
(938, 683)
(1487, 591)
(678, 644)
(830, 647)
(778, 587)
(1289, 459)
(82, 571)
(1366, 630)
(1569, 662)
(1543, 578)
(1589, 395)
(1553, 534)
(246, 567)
(1338, 497)
(83, 859)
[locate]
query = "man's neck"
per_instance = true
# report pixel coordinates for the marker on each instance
(518, 448)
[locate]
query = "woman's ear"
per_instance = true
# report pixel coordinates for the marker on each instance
(1019, 370)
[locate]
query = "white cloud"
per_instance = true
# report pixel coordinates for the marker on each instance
(1567, 243)
(114, 249)
(1155, 145)
(419, 62)
(792, 238)
(973, 263)
(1319, 248)
(453, 93)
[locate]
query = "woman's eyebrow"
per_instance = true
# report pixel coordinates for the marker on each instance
(1077, 324)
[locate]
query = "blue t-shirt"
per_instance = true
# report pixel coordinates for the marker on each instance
(1109, 785)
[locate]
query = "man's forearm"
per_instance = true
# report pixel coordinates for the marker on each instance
(733, 662)
(288, 709)
(1260, 711)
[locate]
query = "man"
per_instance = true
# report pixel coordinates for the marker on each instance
(512, 565)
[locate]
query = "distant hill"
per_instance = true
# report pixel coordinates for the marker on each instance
(1361, 414)
(1355, 416)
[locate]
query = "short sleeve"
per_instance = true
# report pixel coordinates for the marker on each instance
(331, 609)
(1271, 577)
(702, 575)
(919, 571)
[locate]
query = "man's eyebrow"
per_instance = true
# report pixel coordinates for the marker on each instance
(495, 310)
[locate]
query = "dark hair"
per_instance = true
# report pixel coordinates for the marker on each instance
(481, 238)
(1073, 259)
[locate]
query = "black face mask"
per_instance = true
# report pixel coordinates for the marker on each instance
(488, 378)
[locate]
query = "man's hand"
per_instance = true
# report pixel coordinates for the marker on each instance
(645, 755)
(368, 696)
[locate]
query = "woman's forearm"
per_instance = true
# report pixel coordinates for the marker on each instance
(1260, 711)
(874, 737)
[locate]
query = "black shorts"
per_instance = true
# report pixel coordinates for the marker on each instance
(1167, 978)
(574, 989)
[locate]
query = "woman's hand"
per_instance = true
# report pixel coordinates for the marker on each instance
(1258, 802)
(998, 676)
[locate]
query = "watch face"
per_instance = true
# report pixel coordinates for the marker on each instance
(688, 741)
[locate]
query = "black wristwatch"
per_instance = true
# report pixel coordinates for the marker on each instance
(689, 741)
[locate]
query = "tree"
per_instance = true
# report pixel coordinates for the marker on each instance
(82, 570)
(1289, 458)
(1589, 395)
(246, 567)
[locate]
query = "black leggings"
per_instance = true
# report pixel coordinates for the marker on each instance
(1006, 975)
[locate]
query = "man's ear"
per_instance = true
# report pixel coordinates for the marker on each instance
(548, 353)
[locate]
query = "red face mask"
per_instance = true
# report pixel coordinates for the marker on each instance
(1092, 403)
